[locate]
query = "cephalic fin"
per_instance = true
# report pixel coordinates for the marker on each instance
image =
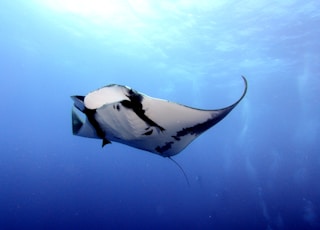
(77, 123)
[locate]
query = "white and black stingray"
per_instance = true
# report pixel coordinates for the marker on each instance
(121, 114)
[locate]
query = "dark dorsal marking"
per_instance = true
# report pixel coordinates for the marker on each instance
(135, 103)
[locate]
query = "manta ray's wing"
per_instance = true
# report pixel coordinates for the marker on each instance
(120, 114)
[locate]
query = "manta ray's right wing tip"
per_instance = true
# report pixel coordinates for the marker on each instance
(245, 89)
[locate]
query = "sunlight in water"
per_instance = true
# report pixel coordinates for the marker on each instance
(108, 9)
(92, 8)
(125, 14)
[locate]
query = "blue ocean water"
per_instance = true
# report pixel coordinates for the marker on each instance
(257, 169)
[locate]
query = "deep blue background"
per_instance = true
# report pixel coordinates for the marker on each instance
(257, 169)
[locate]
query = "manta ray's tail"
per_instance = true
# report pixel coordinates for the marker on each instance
(185, 175)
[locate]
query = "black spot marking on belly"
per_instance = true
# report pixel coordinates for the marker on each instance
(117, 107)
(148, 132)
(176, 138)
(165, 147)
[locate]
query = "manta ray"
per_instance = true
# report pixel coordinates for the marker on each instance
(121, 114)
